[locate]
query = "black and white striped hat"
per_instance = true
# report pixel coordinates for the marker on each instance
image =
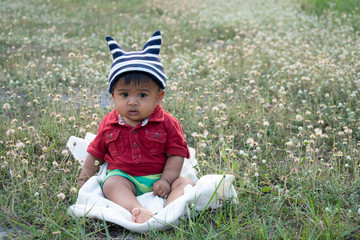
(146, 60)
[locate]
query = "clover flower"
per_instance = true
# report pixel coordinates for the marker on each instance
(20, 145)
(299, 118)
(250, 141)
(64, 152)
(10, 132)
(73, 190)
(6, 106)
(61, 196)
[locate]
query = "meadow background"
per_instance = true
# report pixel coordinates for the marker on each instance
(265, 90)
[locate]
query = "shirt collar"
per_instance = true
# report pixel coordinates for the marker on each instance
(143, 123)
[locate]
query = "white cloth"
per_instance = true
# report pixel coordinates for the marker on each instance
(91, 202)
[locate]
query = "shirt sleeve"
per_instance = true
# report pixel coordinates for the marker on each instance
(97, 146)
(176, 144)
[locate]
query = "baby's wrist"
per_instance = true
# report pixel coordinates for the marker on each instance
(83, 179)
(166, 181)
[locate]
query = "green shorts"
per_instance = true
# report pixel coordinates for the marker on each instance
(143, 184)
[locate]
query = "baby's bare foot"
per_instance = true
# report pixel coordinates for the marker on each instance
(141, 215)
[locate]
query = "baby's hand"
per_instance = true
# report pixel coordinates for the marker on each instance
(82, 181)
(162, 188)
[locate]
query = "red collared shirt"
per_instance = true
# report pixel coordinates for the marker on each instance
(139, 150)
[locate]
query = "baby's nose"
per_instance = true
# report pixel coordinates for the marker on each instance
(132, 101)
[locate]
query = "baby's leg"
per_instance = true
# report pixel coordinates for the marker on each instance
(122, 191)
(177, 188)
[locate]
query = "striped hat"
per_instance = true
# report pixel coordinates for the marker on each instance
(146, 61)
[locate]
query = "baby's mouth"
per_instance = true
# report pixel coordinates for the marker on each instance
(133, 112)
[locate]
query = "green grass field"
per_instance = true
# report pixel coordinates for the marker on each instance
(264, 90)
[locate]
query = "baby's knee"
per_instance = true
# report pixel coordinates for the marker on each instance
(182, 182)
(115, 183)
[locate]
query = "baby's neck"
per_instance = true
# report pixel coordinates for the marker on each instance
(131, 122)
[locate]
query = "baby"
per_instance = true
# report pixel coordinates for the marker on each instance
(143, 145)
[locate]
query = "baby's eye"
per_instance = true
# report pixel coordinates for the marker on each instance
(124, 94)
(142, 95)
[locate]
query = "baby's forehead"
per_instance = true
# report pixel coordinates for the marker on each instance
(135, 85)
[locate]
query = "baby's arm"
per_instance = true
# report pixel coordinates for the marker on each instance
(171, 172)
(91, 167)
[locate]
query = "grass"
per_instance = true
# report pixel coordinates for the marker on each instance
(348, 9)
(319, 6)
(271, 91)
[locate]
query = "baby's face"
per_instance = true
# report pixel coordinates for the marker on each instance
(134, 103)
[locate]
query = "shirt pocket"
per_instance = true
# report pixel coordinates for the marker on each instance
(114, 143)
(155, 141)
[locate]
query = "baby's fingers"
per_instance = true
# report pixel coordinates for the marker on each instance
(159, 191)
(156, 189)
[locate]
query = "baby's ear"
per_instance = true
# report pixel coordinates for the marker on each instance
(160, 97)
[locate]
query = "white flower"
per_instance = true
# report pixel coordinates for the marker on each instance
(20, 145)
(61, 196)
(250, 141)
(223, 106)
(348, 130)
(299, 118)
(10, 132)
(206, 134)
(65, 152)
(256, 174)
(194, 134)
(318, 131)
(6, 106)
(73, 190)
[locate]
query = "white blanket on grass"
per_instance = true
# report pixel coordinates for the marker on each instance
(207, 193)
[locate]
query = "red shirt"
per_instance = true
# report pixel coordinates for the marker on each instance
(139, 150)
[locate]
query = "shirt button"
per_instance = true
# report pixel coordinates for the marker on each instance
(133, 131)
(156, 135)
(134, 145)
(110, 136)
